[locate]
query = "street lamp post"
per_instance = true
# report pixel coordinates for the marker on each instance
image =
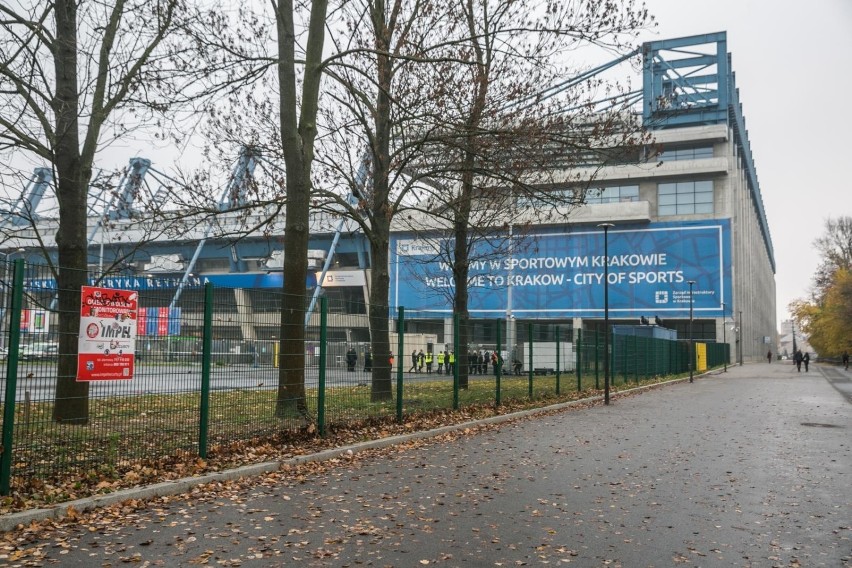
(793, 330)
(606, 227)
(691, 340)
(740, 337)
(725, 335)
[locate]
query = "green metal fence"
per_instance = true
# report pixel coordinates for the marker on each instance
(209, 374)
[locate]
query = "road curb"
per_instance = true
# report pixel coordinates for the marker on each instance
(169, 488)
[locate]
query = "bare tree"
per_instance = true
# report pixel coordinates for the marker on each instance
(384, 86)
(73, 77)
(298, 115)
(449, 110)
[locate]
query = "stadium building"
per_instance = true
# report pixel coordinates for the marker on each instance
(688, 230)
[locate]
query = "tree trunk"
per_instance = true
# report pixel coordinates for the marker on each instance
(461, 269)
(382, 211)
(297, 136)
(291, 360)
(382, 383)
(72, 398)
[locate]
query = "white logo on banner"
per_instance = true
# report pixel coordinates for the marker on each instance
(412, 247)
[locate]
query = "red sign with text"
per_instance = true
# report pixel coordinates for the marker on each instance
(107, 341)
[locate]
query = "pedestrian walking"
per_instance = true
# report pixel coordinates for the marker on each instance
(806, 359)
(769, 356)
(413, 362)
(797, 358)
(846, 360)
(421, 360)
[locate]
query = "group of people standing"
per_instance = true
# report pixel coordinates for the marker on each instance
(420, 360)
(352, 359)
(477, 361)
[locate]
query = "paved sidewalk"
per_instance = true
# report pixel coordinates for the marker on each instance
(749, 468)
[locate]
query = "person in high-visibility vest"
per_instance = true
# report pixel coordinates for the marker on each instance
(441, 362)
(428, 362)
(451, 362)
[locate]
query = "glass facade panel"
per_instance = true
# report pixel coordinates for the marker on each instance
(615, 194)
(685, 198)
(669, 199)
(693, 153)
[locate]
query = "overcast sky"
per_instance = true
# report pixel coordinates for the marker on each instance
(793, 62)
(793, 65)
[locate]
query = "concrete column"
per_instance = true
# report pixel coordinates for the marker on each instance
(246, 314)
(578, 324)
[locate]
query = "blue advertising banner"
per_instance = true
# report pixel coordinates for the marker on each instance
(253, 280)
(553, 273)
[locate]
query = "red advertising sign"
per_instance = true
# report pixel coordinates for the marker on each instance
(26, 319)
(142, 322)
(162, 321)
(107, 341)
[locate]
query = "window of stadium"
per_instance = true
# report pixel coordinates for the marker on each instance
(691, 153)
(615, 194)
(685, 198)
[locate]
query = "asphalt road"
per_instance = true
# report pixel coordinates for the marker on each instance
(37, 380)
(747, 468)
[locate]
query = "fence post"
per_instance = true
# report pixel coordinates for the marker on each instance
(400, 346)
(557, 359)
(456, 362)
(530, 358)
(640, 358)
(322, 364)
(610, 355)
(578, 351)
(497, 362)
(11, 376)
(206, 355)
(597, 359)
